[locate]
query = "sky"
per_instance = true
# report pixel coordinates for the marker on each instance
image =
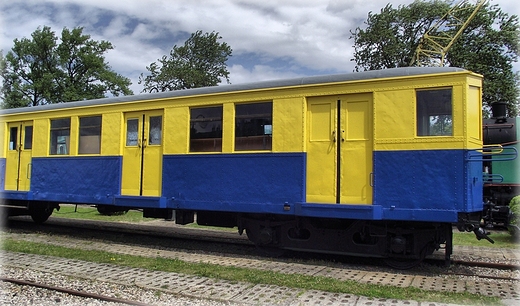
(270, 39)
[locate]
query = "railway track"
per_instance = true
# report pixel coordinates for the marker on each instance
(83, 294)
(240, 245)
(113, 237)
(492, 265)
(188, 239)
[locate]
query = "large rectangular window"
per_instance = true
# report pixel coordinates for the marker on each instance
(90, 135)
(253, 126)
(206, 129)
(60, 136)
(434, 112)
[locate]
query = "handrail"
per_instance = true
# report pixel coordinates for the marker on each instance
(495, 153)
(491, 149)
(492, 178)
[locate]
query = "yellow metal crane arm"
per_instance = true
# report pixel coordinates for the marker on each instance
(436, 42)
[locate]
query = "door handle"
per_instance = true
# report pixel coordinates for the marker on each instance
(29, 166)
(334, 136)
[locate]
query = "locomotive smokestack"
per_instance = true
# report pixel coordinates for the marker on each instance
(499, 112)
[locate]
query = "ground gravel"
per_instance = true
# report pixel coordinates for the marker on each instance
(16, 295)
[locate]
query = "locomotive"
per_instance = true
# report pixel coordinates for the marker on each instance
(501, 174)
(375, 163)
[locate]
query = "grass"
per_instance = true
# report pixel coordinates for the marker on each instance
(236, 274)
(90, 213)
(502, 240)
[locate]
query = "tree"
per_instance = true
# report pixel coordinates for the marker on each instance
(489, 45)
(200, 62)
(40, 71)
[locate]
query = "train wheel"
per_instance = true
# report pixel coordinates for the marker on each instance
(264, 246)
(41, 214)
(403, 263)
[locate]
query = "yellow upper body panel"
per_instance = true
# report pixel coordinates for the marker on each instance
(394, 111)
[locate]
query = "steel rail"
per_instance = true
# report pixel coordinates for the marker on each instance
(482, 264)
(72, 292)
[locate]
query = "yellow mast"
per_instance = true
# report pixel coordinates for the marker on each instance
(436, 42)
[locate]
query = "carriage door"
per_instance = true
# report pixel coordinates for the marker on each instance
(19, 154)
(339, 149)
(142, 154)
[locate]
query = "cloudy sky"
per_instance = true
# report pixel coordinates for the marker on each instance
(270, 39)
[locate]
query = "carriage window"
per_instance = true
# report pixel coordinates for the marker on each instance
(155, 136)
(13, 138)
(60, 136)
(434, 112)
(90, 135)
(206, 129)
(132, 132)
(27, 144)
(253, 126)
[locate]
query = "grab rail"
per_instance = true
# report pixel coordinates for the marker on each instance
(493, 153)
(491, 149)
(492, 178)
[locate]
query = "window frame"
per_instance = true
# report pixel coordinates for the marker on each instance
(250, 140)
(90, 127)
(211, 143)
(54, 144)
(28, 137)
(431, 115)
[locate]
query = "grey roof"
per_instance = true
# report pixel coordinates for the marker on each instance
(365, 75)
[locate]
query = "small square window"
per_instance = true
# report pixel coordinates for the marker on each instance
(434, 112)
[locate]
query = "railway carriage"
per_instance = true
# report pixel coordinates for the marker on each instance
(379, 163)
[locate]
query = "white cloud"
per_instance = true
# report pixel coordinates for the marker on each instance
(280, 38)
(239, 74)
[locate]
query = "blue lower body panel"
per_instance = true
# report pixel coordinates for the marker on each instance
(234, 182)
(427, 185)
(76, 179)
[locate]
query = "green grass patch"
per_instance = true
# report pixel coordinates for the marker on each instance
(236, 274)
(90, 213)
(87, 212)
(502, 240)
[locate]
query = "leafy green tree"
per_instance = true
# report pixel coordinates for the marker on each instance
(489, 45)
(40, 70)
(200, 62)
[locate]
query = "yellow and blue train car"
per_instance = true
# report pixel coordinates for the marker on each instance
(377, 162)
